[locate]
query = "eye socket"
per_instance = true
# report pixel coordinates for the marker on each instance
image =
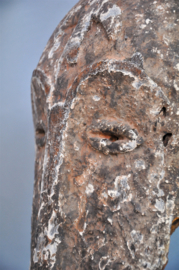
(40, 132)
(113, 137)
(40, 136)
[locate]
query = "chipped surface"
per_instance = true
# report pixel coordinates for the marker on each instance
(105, 98)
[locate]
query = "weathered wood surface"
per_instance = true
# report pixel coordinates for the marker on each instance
(105, 98)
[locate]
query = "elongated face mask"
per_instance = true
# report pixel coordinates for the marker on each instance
(106, 175)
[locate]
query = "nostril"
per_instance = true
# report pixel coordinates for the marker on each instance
(166, 138)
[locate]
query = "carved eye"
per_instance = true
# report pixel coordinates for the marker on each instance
(40, 136)
(113, 137)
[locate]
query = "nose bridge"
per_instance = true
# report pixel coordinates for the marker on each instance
(52, 157)
(56, 124)
(45, 170)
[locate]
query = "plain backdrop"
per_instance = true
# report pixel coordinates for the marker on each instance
(25, 27)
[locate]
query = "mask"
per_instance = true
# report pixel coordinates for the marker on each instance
(105, 107)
